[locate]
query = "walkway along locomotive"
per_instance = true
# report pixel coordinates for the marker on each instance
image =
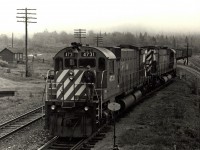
(123, 74)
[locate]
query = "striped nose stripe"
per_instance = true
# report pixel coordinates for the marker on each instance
(67, 89)
(148, 58)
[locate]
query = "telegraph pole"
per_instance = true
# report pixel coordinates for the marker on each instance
(187, 44)
(12, 39)
(174, 42)
(98, 39)
(26, 18)
(80, 34)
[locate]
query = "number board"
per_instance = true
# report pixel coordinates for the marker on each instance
(69, 54)
(88, 54)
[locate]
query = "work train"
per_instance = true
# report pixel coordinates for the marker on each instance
(123, 74)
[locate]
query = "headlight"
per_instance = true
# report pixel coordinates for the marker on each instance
(86, 108)
(53, 107)
(71, 73)
(71, 78)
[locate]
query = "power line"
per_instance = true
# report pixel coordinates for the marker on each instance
(26, 20)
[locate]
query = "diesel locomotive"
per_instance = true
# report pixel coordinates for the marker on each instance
(123, 74)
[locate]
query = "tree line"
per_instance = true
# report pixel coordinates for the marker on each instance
(53, 41)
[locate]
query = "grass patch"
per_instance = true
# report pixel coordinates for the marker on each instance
(169, 119)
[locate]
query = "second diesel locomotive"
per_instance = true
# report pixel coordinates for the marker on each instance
(123, 74)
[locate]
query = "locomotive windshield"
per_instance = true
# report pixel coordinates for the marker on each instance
(84, 62)
(71, 62)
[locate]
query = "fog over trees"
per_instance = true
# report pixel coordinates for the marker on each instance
(53, 41)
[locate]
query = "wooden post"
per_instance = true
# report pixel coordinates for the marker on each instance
(187, 51)
(26, 21)
(26, 41)
(12, 39)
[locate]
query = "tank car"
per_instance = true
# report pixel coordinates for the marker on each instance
(123, 74)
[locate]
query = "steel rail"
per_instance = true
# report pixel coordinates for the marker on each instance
(195, 63)
(72, 146)
(20, 122)
(57, 143)
(46, 145)
(85, 142)
(190, 69)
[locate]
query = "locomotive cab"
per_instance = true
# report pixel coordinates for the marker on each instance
(69, 66)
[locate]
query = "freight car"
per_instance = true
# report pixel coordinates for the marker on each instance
(183, 53)
(123, 74)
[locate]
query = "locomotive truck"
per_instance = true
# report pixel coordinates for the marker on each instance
(123, 74)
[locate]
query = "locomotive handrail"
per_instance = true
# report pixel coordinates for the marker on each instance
(47, 79)
(63, 94)
(102, 92)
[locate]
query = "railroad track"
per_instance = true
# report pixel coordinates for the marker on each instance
(57, 143)
(20, 122)
(195, 63)
(192, 70)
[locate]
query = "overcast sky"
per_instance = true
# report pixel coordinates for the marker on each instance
(103, 15)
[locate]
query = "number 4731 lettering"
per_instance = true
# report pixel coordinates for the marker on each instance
(88, 54)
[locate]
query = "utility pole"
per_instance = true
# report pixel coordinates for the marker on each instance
(25, 20)
(174, 42)
(98, 39)
(187, 44)
(12, 39)
(80, 34)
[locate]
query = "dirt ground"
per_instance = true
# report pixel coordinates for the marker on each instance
(27, 97)
(170, 120)
(29, 92)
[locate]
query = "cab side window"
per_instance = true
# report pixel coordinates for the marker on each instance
(58, 64)
(102, 64)
(111, 67)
